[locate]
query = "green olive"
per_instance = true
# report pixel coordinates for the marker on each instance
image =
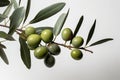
(47, 35)
(77, 41)
(40, 52)
(49, 61)
(67, 34)
(76, 54)
(33, 39)
(30, 30)
(54, 49)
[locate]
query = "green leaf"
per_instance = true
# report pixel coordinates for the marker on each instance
(4, 3)
(77, 27)
(15, 4)
(48, 12)
(2, 46)
(2, 17)
(91, 32)
(7, 10)
(40, 29)
(101, 41)
(25, 53)
(59, 24)
(27, 10)
(3, 56)
(6, 36)
(19, 2)
(16, 19)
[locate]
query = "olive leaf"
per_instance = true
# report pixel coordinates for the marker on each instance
(7, 10)
(19, 2)
(101, 41)
(91, 32)
(40, 29)
(47, 12)
(25, 53)
(27, 10)
(15, 4)
(49, 61)
(3, 56)
(2, 46)
(2, 17)
(4, 3)
(16, 19)
(59, 24)
(6, 36)
(77, 28)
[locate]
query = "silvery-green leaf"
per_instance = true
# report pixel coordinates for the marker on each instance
(16, 19)
(2, 17)
(101, 41)
(25, 53)
(27, 10)
(7, 10)
(59, 24)
(47, 12)
(3, 56)
(6, 36)
(15, 4)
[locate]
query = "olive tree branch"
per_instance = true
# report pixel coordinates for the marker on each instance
(69, 47)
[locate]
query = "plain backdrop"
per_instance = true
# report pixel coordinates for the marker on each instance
(103, 64)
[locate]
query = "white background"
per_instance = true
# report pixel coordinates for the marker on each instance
(103, 64)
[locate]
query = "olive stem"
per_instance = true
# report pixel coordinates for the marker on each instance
(9, 27)
(73, 47)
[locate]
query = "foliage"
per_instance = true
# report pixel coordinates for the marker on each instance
(19, 16)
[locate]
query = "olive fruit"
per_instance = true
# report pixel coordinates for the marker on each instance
(32, 47)
(33, 39)
(49, 61)
(76, 54)
(47, 35)
(77, 41)
(67, 34)
(40, 52)
(54, 49)
(30, 30)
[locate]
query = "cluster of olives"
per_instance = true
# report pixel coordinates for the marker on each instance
(50, 48)
(77, 41)
(42, 52)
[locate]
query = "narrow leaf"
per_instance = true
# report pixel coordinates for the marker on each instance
(77, 27)
(59, 24)
(2, 46)
(25, 53)
(19, 2)
(40, 29)
(4, 3)
(101, 41)
(15, 4)
(48, 12)
(6, 36)
(7, 10)
(16, 19)
(91, 32)
(3, 56)
(2, 17)
(27, 10)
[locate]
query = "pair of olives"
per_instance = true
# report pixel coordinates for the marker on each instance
(42, 52)
(77, 41)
